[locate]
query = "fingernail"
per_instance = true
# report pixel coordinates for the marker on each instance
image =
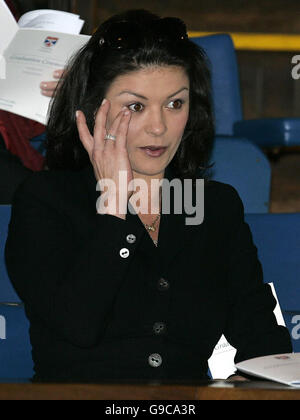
(104, 101)
(43, 85)
(127, 112)
(56, 74)
(77, 114)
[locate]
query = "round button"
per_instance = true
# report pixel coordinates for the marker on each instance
(159, 327)
(155, 360)
(124, 253)
(131, 238)
(163, 284)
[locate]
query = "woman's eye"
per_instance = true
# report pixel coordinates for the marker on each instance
(177, 104)
(136, 107)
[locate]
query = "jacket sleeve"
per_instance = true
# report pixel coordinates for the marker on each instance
(68, 282)
(251, 326)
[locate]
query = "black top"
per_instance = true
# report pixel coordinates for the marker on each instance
(12, 173)
(150, 314)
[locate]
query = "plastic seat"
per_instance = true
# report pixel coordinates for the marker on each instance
(7, 292)
(244, 166)
(15, 349)
(268, 132)
(277, 237)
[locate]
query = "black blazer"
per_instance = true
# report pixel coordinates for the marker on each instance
(156, 314)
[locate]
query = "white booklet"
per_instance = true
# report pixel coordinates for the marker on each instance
(29, 53)
(221, 363)
(283, 368)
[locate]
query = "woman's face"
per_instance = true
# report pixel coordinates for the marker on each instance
(158, 98)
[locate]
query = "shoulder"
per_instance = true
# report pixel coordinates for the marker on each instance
(222, 203)
(223, 195)
(50, 186)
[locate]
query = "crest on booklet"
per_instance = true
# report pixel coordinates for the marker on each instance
(50, 41)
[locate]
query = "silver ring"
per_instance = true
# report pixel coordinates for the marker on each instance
(110, 137)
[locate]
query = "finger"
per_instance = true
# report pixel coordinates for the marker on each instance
(113, 130)
(115, 124)
(84, 133)
(57, 74)
(123, 129)
(48, 93)
(48, 86)
(100, 124)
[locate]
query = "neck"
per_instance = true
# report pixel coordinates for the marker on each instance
(146, 198)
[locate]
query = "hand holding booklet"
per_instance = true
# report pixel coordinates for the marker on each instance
(42, 41)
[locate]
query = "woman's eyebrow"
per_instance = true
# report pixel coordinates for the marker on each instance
(144, 97)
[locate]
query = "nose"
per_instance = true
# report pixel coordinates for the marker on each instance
(156, 124)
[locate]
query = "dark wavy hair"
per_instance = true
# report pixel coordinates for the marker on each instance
(89, 75)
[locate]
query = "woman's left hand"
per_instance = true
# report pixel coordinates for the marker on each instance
(48, 88)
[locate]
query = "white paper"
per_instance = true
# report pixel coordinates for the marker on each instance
(8, 26)
(48, 19)
(221, 363)
(53, 20)
(33, 14)
(29, 61)
(283, 368)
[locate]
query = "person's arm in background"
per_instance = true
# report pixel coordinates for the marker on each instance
(48, 88)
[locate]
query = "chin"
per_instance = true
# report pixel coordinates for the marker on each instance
(152, 171)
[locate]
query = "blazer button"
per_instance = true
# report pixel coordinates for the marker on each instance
(131, 238)
(155, 360)
(159, 327)
(124, 253)
(163, 284)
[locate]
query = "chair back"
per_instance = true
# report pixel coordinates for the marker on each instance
(244, 166)
(7, 292)
(277, 237)
(15, 349)
(225, 81)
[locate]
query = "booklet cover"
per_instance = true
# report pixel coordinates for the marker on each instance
(283, 368)
(29, 55)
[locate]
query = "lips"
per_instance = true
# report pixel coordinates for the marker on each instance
(154, 151)
(151, 147)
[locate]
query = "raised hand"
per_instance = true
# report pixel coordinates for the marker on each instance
(109, 157)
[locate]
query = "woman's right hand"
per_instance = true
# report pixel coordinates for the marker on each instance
(109, 157)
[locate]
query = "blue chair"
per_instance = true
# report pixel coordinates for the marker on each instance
(15, 349)
(7, 292)
(39, 143)
(269, 132)
(235, 157)
(244, 166)
(277, 237)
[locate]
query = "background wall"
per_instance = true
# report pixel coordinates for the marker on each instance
(268, 89)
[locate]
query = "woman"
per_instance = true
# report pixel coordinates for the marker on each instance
(128, 292)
